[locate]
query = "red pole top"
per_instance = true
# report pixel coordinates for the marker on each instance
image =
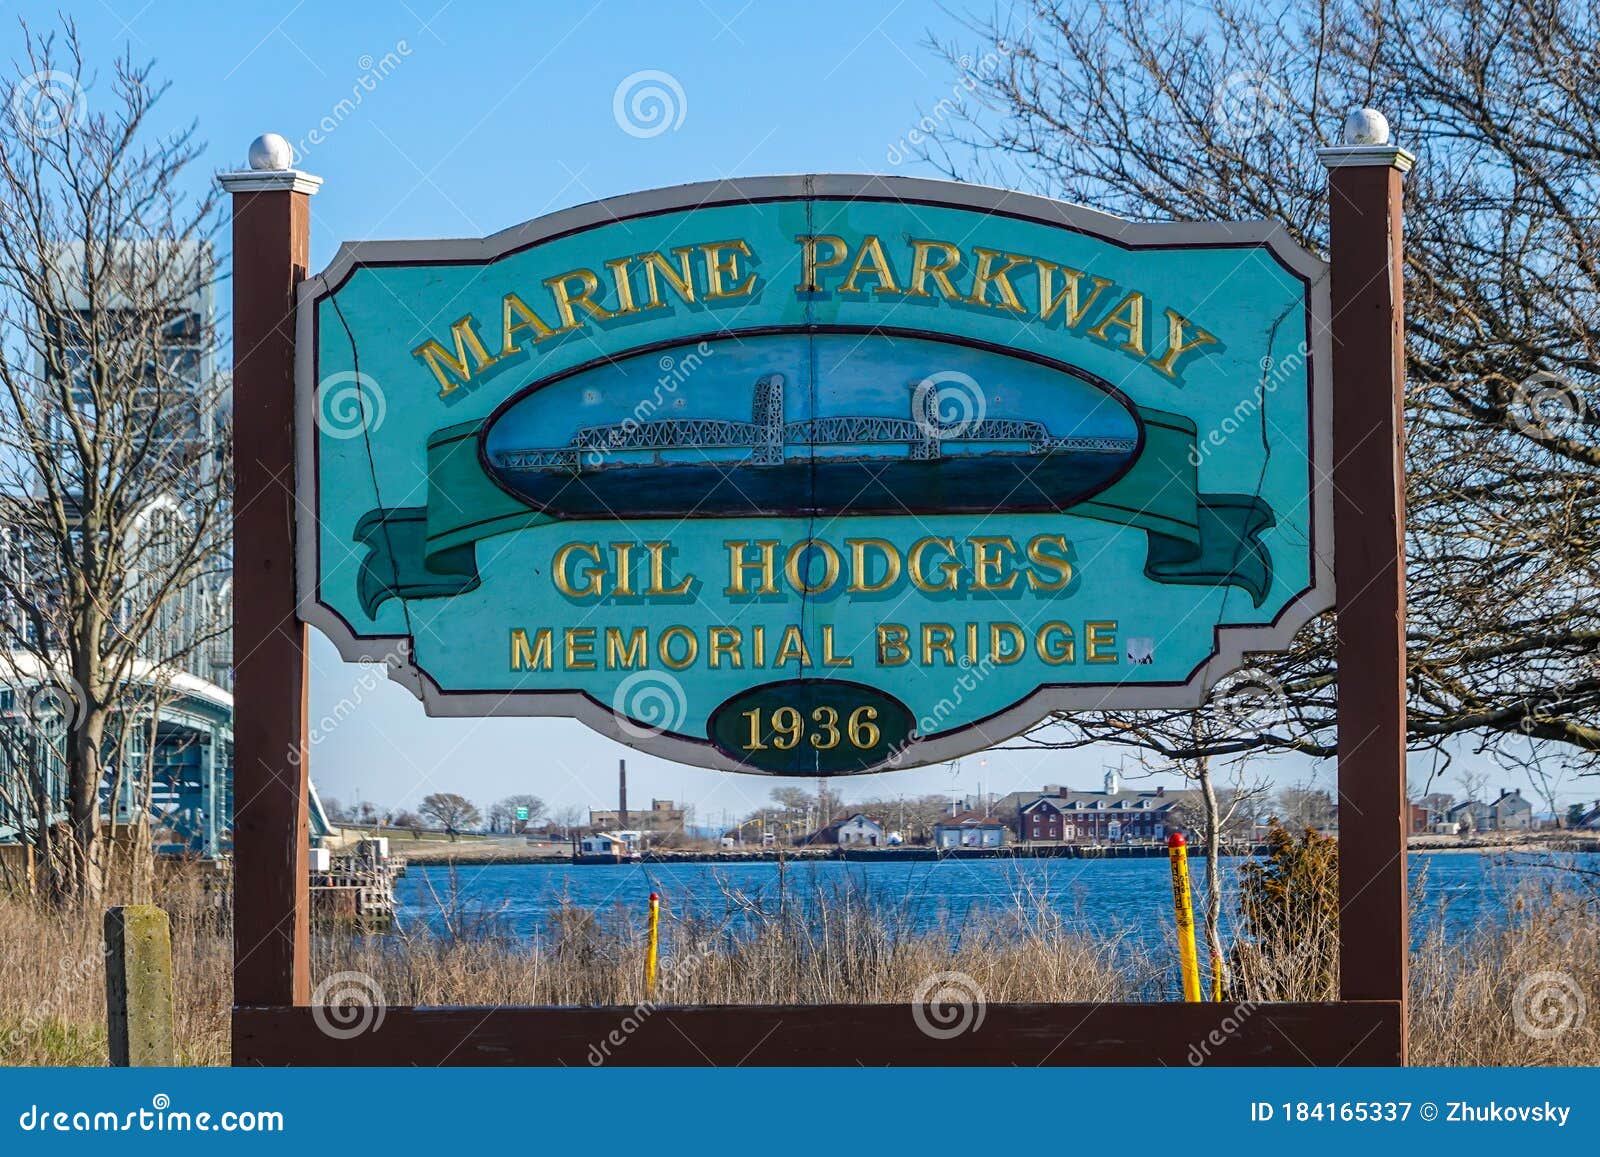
(1176, 840)
(654, 898)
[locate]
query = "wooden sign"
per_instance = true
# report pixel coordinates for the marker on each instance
(819, 474)
(815, 475)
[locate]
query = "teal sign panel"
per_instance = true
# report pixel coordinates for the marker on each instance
(815, 475)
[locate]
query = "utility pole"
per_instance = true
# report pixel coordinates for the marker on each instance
(622, 794)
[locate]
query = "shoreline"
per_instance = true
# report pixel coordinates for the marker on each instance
(511, 855)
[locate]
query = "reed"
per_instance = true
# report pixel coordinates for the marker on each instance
(807, 942)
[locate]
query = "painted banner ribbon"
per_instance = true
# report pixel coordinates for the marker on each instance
(418, 552)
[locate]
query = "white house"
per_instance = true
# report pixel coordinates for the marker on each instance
(858, 830)
(968, 830)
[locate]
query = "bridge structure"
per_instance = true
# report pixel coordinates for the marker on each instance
(176, 776)
(768, 437)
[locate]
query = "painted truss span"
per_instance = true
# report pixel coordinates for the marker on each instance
(771, 440)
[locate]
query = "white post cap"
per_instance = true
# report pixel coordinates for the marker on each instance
(1366, 142)
(271, 160)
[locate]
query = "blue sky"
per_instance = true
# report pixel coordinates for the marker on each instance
(462, 119)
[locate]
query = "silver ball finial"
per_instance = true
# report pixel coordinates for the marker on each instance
(1366, 126)
(270, 152)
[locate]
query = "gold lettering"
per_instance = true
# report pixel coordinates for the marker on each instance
(945, 634)
(1060, 563)
(633, 655)
(530, 321)
(1067, 300)
(580, 648)
(998, 654)
(792, 646)
(681, 279)
(829, 659)
(623, 553)
(664, 647)
(622, 281)
(1176, 346)
(595, 581)
(871, 261)
(1096, 638)
(530, 658)
(1129, 316)
(737, 565)
(858, 565)
(922, 268)
(565, 299)
(986, 275)
(725, 641)
(810, 263)
(1059, 652)
(892, 648)
(658, 572)
(718, 267)
(950, 568)
(468, 345)
(798, 579)
(988, 553)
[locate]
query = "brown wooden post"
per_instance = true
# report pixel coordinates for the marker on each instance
(271, 249)
(1364, 192)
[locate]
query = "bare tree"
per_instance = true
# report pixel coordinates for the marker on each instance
(113, 471)
(569, 819)
(503, 814)
(454, 813)
(1222, 815)
(1152, 109)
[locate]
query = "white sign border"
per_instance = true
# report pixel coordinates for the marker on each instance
(1232, 642)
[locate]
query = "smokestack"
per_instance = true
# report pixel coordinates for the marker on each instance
(622, 794)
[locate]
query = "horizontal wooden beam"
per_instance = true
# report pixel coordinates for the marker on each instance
(1344, 1033)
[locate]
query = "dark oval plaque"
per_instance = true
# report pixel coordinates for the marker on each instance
(811, 727)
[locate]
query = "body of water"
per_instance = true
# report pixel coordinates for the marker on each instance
(1132, 896)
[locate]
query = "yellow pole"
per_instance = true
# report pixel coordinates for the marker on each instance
(651, 946)
(1178, 852)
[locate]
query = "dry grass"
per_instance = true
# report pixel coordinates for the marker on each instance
(52, 978)
(1524, 990)
(808, 945)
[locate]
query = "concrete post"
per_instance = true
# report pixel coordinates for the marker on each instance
(138, 986)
